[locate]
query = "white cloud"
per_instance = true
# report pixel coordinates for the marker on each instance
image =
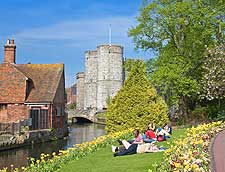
(81, 31)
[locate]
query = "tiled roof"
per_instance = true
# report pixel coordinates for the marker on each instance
(43, 80)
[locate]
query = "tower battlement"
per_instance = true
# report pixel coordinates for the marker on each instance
(110, 49)
(91, 53)
(80, 75)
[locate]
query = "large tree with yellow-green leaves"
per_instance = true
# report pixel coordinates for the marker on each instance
(136, 104)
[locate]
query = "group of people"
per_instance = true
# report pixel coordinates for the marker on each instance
(143, 143)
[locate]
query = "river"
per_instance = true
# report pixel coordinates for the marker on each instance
(79, 133)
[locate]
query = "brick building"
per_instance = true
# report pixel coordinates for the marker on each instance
(31, 92)
(71, 94)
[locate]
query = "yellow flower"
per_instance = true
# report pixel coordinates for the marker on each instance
(194, 166)
(186, 167)
(176, 164)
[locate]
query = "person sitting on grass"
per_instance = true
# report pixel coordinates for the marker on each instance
(130, 147)
(163, 133)
(136, 148)
(149, 135)
(137, 138)
(168, 128)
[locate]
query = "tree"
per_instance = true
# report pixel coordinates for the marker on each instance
(179, 32)
(72, 106)
(128, 66)
(213, 81)
(171, 77)
(136, 104)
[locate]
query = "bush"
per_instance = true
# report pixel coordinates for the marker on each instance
(198, 115)
(136, 104)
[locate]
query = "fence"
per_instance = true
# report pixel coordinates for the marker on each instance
(13, 127)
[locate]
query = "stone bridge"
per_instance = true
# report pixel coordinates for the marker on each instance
(81, 116)
(85, 116)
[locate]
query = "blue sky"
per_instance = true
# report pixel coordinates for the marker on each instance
(60, 31)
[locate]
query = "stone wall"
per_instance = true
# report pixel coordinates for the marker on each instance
(110, 73)
(80, 90)
(103, 78)
(90, 87)
(31, 137)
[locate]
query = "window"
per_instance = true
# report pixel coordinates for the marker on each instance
(58, 111)
(39, 118)
(43, 119)
(3, 107)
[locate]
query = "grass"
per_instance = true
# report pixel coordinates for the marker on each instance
(103, 160)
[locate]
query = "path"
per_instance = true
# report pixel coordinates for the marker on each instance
(218, 153)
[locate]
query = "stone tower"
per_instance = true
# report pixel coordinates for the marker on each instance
(110, 73)
(90, 87)
(80, 90)
(104, 76)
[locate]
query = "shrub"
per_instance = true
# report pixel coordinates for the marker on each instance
(136, 104)
(198, 115)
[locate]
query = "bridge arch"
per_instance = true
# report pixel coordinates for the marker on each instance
(81, 119)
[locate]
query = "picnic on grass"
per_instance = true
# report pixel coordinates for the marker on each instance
(143, 143)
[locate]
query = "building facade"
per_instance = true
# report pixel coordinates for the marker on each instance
(71, 94)
(103, 76)
(31, 92)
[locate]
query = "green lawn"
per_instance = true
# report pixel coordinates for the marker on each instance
(103, 160)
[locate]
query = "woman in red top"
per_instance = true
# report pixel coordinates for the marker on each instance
(150, 135)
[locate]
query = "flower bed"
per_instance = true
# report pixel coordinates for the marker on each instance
(53, 162)
(191, 153)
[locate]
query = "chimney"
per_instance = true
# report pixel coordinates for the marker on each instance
(10, 51)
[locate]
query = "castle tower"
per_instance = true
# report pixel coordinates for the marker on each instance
(80, 90)
(90, 81)
(110, 73)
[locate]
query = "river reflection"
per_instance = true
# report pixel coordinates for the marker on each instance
(79, 133)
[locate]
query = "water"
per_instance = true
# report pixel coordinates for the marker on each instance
(79, 133)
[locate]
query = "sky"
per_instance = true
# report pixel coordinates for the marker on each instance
(60, 31)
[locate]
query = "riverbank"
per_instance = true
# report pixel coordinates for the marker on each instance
(103, 159)
(188, 148)
(78, 134)
(31, 137)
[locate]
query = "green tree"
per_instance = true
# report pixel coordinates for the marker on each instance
(128, 63)
(72, 106)
(179, 32)
(136, 104)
